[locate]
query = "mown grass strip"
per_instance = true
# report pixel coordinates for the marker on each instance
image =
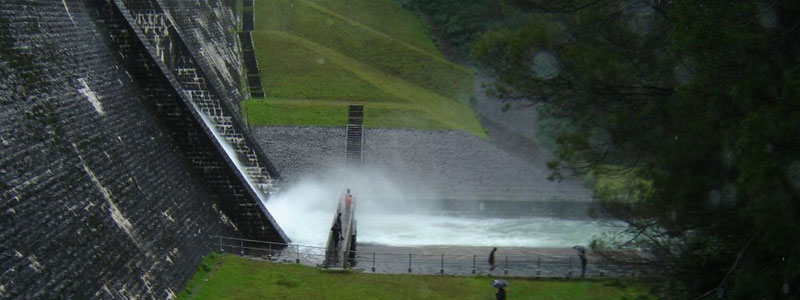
(210, 264)
(241, 278)
(301, 113)
(340, 51)
(293, 68)
(446, 112)
(322, 26)
(388, 17)
(276, 112)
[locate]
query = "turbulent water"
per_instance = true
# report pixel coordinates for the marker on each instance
(305, 212)
(426, 230)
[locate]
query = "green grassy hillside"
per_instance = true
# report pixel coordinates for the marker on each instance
(294, 68)
(339, 52)
(233, 277)
(387, 17)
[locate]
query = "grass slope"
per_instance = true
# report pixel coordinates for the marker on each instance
(387, 17)
(293, 68)
(421, 107)
(313, 22)
(274, 112)
(233, 277)
(338, 51)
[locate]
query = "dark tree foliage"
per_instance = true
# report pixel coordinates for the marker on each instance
(697, 100)
(458, 22)
(563, 6)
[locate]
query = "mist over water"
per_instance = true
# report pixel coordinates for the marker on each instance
(393, 215)
(305, 211)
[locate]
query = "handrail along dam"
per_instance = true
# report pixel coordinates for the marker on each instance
(122, 146)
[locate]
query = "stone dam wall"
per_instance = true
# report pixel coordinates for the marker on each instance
(98, 200)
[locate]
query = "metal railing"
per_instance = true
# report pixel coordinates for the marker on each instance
(270, 250)
(561, 266)
(339, 252)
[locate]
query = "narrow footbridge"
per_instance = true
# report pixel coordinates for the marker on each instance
(341, 247)
(340, 250)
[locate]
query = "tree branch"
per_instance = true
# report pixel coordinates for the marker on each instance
(730, 271)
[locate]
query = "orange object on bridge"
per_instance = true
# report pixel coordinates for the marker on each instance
(348, 202)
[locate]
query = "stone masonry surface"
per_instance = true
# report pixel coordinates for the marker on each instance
(186, 102)
(97, 201)
(452, 164)
(210, 30)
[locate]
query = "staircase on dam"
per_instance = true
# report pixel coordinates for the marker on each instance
(355, 137)
(209, 133)
(248, 51)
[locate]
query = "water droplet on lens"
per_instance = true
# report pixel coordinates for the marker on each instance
(545, 65)
(729, 193)
(793, 174)
(715, 197)
(767, 16)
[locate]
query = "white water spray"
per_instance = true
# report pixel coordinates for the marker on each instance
(305, 211)
(388, 215)
(232, 155)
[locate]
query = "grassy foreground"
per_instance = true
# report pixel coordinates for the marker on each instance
(233, 277)
(318, 56)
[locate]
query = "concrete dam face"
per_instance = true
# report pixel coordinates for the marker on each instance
(121, 147)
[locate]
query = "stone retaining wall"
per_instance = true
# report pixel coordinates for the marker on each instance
(97, 201)
(444, 164)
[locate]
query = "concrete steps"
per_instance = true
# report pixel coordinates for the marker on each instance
(186, 76)
(253, 78)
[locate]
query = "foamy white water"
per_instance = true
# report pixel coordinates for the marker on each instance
(433, 230)
(305, 212)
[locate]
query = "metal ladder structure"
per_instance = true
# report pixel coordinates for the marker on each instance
(253, 78)
(355, 137)
(182, 92)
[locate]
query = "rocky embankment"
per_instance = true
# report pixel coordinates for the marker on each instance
(454, 164)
